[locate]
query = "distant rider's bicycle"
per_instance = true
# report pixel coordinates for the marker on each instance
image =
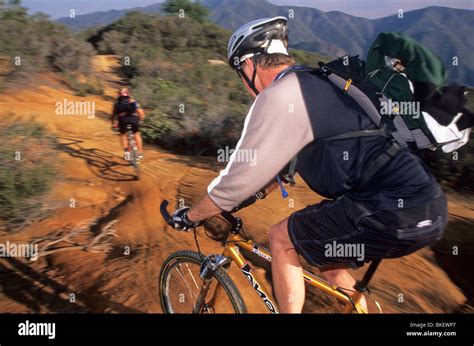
(190, 282)
(132, 155)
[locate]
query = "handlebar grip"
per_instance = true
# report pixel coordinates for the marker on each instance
(164, 212)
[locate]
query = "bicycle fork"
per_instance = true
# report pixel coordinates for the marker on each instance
(210, 264)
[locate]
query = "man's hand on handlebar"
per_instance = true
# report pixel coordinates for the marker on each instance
(114, 124)
(180, 220)
(204, 210)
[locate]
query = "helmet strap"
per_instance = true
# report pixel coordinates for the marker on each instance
(251, 83)
(254, 60)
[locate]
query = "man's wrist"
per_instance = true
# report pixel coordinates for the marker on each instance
(190, 217)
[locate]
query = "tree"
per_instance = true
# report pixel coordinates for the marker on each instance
(12, 9)
(187, 8)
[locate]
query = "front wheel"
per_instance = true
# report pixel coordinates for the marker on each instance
(134, 155)
(180, 286)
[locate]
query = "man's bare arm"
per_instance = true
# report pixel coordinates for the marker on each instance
(203, 210)
(112, 118)
(141, 114)
(206, 208)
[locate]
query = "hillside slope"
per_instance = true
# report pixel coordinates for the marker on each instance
(445, 30)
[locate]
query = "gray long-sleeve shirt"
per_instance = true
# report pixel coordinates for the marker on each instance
(284, 121)
(276, 128)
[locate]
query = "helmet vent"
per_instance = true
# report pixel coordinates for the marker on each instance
(259, 26)
(237, 42)
(262, 25)
(261, 37)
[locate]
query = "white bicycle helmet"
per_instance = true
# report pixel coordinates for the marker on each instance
(267, 35)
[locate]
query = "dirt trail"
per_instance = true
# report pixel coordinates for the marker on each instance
(95, 176)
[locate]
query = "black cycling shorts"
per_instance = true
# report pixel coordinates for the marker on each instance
(124, 120)
(344, 232)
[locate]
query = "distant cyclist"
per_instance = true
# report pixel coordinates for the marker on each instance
(388, 210)
(128, 111)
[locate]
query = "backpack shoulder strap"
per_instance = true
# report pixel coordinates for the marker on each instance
(357, 134)
(297, 68)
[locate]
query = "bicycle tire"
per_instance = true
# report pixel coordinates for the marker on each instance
(134, 156)
(220, 275)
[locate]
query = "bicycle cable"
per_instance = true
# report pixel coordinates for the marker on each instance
(201, 256)
(205, 231)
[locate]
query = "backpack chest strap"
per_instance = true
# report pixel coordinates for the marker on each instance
(389, 151)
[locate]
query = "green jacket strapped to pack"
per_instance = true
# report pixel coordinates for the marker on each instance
(392, 86)
(393, 79)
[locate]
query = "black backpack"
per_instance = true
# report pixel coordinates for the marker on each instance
(345, 72)
(349, 74)
(123, 106)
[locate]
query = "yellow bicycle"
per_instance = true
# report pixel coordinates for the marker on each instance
(190, 282)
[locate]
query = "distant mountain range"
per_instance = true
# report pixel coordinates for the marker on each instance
(448, 32)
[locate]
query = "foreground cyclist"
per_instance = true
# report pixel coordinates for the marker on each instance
(399, 210)
(128, 111)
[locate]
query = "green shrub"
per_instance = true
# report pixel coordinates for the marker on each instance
(192, 9)
(27, 170)
(83, 88)
(40, 43)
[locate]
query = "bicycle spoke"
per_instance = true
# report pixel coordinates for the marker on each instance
(216, 294)
(186, 282)
(192, 276)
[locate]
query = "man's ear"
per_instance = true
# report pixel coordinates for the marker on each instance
(248, 67)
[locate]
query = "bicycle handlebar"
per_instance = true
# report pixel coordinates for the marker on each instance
(164, 212)
(235, 222)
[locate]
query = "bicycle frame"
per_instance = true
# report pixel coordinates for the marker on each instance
(235, 242)
(132, 145)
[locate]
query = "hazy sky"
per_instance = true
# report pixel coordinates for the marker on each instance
(60, 8)
(375, 8)
(362, 8)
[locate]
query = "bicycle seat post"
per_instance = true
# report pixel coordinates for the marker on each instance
(361, 285)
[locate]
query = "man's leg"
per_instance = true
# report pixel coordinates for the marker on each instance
(288, 281)
(342, 279)
(124, 141)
